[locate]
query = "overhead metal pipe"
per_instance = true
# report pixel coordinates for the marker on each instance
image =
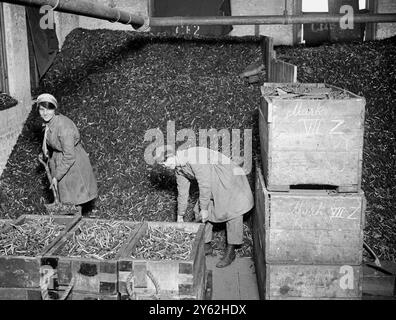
(93, 10)
(87, 9)
(261, 20)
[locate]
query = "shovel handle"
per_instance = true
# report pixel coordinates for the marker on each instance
(47, 170)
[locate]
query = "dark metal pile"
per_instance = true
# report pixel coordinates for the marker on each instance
(98, 240)
(6, 101)
(167, 243)
(299, 91)
(29, 238)
(2, 223)
(117, 85)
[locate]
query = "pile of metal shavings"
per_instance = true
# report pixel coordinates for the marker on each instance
(116, 85)
(29, 238)
(164, 243)
(301, 91)
(220, 241)
(97, 239)
(369, 70)
(3, 223)
(6, 101)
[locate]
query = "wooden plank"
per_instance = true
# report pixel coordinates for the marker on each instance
(268, 49)
(313, 281)
(257, 233)
(177, 279)
(311, 141)
(90, 296)
(20, 294)
(3, 55)
(378, 283)
(282, 72)
(314, 246)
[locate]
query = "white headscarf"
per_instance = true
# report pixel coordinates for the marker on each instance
(46, 97)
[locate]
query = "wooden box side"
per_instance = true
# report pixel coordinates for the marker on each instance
(22, 271)
(312, 229)
(265, 134)
(92, 296)
(304, 281)
(20, 294)
(258, 255)
(316, 211)
(178, 278)
(86, 274)
(315, 141)
(199, 264)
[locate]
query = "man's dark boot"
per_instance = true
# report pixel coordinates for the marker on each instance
(208, 249)
(228, 257)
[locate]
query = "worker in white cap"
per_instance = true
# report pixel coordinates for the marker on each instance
(72, 174)
(224, 192)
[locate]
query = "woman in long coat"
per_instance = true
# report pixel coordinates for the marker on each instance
(71, 170)
(224, 192)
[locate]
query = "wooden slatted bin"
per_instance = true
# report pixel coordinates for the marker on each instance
(165, 261)
(311, 134)
(310, 226)
(86, 257)
(312, 233)
(26, 240)
(313, 282)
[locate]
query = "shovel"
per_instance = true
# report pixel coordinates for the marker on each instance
(57, 208)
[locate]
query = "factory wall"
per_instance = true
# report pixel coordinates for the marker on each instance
(386, 30)
(282, 34)
(12, 120)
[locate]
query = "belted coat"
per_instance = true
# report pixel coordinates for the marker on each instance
(223, 187)
(69, 163)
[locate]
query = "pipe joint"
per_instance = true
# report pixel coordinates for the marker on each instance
(118, 17)
(145, 27)
(57, 4)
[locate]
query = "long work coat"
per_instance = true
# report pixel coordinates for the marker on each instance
(223, 187)
(69, 163)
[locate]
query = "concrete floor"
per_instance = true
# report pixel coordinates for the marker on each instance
(234, 282)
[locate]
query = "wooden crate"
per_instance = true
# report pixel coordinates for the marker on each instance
(312, 282)
(20, 294)
(311, 141)
(177, 279)
(89, 275)
(309, 227)
(24, 272)
(379, 283)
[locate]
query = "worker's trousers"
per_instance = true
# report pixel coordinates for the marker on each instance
(234, 229)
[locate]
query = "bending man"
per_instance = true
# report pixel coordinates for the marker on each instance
(224, 192)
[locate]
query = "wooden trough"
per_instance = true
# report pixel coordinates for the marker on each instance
(89, 276)
(168, 278)
(20, 274)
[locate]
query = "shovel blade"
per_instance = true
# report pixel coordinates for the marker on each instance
(61, 209)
